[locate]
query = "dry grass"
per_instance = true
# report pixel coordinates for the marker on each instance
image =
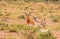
(12, 13)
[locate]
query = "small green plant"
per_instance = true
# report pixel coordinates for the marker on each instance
(55, 18)
(1, 14)
(12, 28)
(22, 17)
(3, 25)
(45, 35)
(29, 32)
(50, 11)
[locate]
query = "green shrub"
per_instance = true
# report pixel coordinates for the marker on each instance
(45, 35)
(22, 17)
(3, 25)
(55, 18)
(29, 31)
(12, 30)
(1, 14)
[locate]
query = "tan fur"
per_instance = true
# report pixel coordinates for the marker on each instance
(29, 20)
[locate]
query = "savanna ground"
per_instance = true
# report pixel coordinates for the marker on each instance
(12, 20)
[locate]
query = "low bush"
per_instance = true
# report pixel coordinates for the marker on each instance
(45, 35)
(30, 32)
(55, 18)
